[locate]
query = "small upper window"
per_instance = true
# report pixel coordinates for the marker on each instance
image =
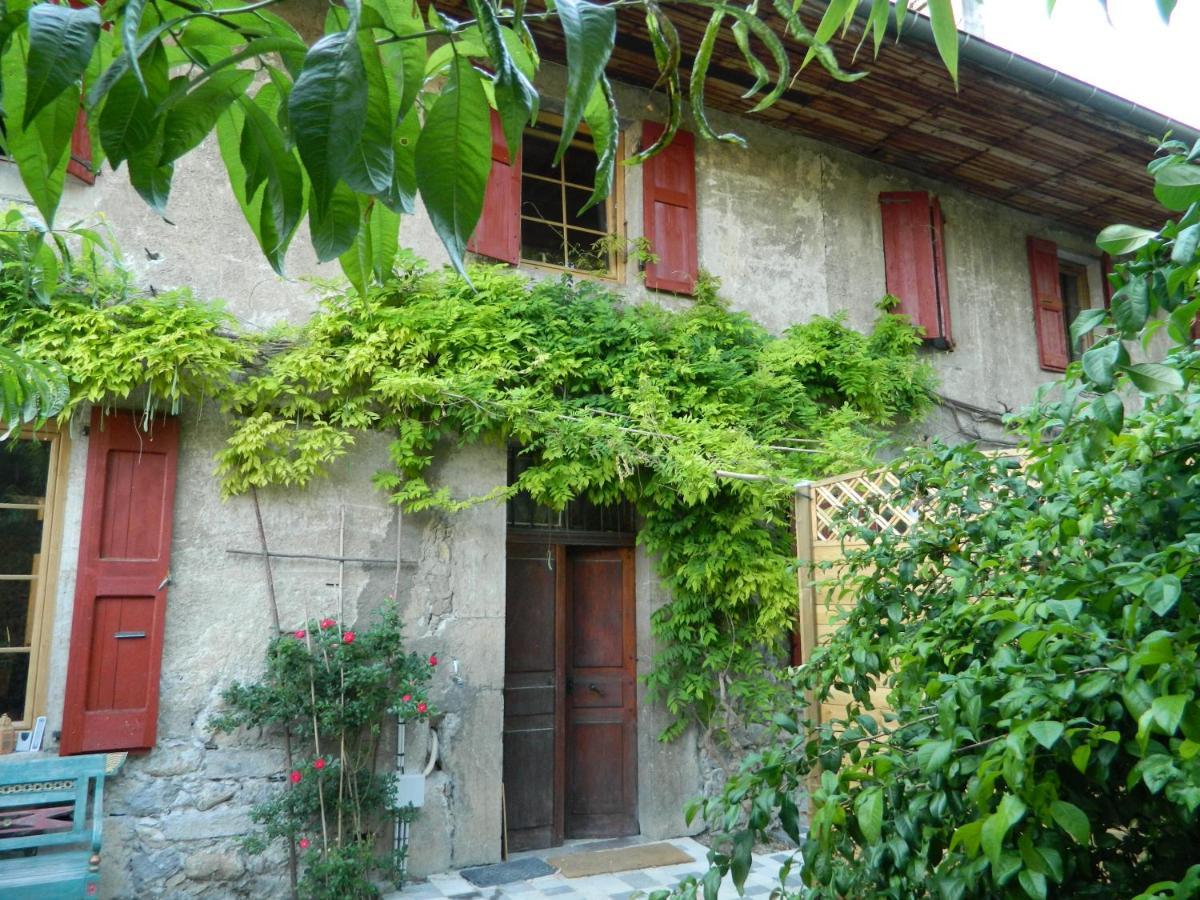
(554, 231)
(1073, 284)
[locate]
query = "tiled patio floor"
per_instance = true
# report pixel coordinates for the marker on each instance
(764, 878)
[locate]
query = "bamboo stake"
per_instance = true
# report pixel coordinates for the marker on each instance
(293, 862)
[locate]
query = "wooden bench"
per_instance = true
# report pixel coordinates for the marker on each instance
(49, 845)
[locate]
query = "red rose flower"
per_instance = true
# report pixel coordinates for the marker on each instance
(327, 623)
(406, 698)
(421, 707)
(303, 843)
(299, 635)
(348, 637)
(433, 659)
(296, 776)
(318, 763)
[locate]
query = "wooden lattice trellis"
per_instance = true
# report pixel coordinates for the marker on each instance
(866, 497)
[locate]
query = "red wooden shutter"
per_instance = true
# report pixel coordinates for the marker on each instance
(80, 164)
(669, 211)
(914, 260)
(120, 593)
(1048, 318)
(498, 234)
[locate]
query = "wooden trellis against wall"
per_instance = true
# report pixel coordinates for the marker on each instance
(821, 513)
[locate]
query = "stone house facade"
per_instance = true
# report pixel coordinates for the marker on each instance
(803, 222)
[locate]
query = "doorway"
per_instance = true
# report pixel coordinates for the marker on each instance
(570, 689)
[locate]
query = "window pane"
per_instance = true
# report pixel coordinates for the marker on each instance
(20, 539)
(579, 165)
(541, 243)
(537, 154)
(541, 199)
(584, 253)
(15, 621)
(596, 217)
(14, 678)
(24, 467)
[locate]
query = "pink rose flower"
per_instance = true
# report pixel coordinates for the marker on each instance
(319, 763)
(433, 659)
(406, 698)
(327, 623)
(296, 776)
(421, 707)
(348, 637)
(299, 635)
(304, 843)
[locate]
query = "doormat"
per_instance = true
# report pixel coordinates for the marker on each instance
(601, 862)
(507, 873)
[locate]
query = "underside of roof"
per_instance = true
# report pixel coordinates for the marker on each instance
(1015, 132)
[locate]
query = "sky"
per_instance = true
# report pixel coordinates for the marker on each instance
(1136, 57)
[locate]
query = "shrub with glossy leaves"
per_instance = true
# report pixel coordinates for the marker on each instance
(1039, 629)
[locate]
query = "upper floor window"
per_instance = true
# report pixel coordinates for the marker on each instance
(914, 257)
(533, 209)
(1060, 292)
(28, 484)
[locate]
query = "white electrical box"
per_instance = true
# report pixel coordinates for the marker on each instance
(410, 791)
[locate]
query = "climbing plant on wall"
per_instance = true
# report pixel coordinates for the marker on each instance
(609, 402)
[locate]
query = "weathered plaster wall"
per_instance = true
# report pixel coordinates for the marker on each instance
(175, 814)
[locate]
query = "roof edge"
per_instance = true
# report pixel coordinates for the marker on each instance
(1041, 77)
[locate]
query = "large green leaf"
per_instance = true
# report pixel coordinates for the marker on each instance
(268, 162)
(190, 119)
(602, 120)
(401, 195)
(334, 227)
(1119, 239)
(370, 164)
(131, 24)
(1177, 187)
(515, 96)
(129, 118)
(453, 158)
(700, 73)
(328, 109)
(945, 34)
(589, 32)
(1155, 378)
(1100, 363)
(374, 251)
(30, 390)
(40, 151)
(1071, 819)
(61, 40)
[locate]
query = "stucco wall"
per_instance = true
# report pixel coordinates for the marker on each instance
(792, 229)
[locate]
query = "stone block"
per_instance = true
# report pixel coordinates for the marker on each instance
(213, 794)
(195, 826)
(243, 763)
(169, 762)
(211, 865)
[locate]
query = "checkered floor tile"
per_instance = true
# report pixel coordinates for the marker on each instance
(763, 879)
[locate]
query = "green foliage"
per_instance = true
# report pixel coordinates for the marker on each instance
(111, 344)
(351, 118)
(332, 689)
(609, 403)
(1039, 630)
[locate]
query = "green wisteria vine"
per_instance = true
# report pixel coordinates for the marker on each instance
(608, 401)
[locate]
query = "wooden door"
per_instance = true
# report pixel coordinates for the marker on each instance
(534, 645)
(570, 702)
(121, 587)
(601, 696)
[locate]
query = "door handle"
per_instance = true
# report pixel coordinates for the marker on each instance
(126, 635)
(592, 687)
